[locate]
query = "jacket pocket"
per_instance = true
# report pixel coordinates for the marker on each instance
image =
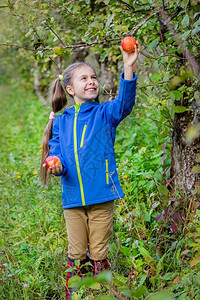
(107, 174)
(83, 134)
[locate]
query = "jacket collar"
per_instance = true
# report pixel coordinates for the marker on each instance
(81, 107)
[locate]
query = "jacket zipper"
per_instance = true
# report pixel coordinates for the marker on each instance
(107, 175)
(77, 108)
(83, 134)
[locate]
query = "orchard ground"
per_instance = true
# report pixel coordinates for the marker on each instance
(145, 257)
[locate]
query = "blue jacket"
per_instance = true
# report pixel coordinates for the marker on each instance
(83, 139)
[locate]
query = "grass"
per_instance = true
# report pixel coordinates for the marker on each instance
(145, 256)
(33, 234)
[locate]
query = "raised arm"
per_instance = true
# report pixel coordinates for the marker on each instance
(117, 109)
(129, 60)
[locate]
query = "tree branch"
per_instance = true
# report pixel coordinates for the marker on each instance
(166, 55)
(188, 56)
(106, 40)
(126, 4)
(44, 22)
(7, 12)
(94, 43)
(24, 47)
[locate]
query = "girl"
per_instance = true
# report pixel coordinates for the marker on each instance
(83, 139)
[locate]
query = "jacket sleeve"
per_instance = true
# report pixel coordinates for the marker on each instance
(54, 145)
(117, 109)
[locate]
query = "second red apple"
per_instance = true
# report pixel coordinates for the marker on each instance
(52, 161)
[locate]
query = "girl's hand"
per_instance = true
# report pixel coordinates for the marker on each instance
(129, 59)
(55, 170)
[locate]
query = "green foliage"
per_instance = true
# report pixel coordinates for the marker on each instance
(33, 245)
(148, 260)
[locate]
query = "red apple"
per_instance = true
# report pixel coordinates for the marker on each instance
(128, 44)
(52, 161)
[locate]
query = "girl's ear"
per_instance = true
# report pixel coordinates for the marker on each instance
(70, 90)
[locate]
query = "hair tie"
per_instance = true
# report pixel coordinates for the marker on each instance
(52, 115)
(60, 77)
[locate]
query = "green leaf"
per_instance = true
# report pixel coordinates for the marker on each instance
(159, 296)
(73, 281)
(163, 190)
(125, 292)
(109, 21)
(195, 261)
(71, 269)
(97, 25)
(120, 278)
(196, 169)
(198, 158)
(142, 279)
(147, 217)
(156, 77)
(121, 28)
(196, 15)
(196, 30)
(193, 132)
(197, 23)
(57, 50)
(152, 44)
(180, 109)
(29, 32)
(145, 253)
(125, 250)
(197, 95)
(105, 276)
(184, 3)
(155, 204)
(77, 262)
(185, 21)
(168, 276)
(139, 292)
(83, 39)
(103, 56)
(113, 248)
(175, 95)
(86, 282)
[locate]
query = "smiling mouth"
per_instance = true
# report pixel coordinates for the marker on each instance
(91, 90)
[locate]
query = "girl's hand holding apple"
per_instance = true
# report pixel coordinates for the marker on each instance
(130, 49)
(53, 164)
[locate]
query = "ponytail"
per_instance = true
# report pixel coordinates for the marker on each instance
(59, 100)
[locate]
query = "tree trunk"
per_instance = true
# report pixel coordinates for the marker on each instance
(79, 55)
(37, 86)
(185, 154)
(108, 80)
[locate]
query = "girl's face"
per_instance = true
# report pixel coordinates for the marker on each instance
(84, 87)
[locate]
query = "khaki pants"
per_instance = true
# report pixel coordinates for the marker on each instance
(89, 228)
